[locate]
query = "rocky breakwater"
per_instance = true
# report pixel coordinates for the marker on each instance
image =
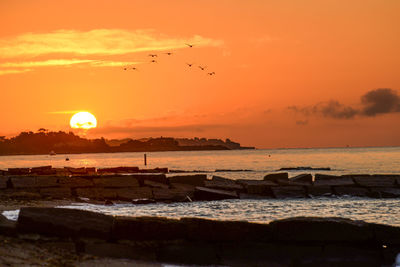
(130, 184)
(300, 241)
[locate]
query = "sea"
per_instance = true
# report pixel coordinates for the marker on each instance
(244, 164)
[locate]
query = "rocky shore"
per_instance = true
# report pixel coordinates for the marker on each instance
(131, 184)
(76, 236)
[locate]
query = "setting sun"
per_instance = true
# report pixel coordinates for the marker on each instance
(83, 120)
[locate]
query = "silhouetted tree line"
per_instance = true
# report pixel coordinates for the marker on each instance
(43, 142)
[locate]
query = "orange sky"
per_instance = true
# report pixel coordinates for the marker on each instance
(279, 65)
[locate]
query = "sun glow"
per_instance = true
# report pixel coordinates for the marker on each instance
(83, 120)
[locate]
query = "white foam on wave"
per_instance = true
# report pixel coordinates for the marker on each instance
(11, 214)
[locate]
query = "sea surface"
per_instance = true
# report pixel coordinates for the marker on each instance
(245, 164)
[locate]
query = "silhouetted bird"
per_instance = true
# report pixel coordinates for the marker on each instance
(202, 68)
(190, 45)
(189, 64)
(153, 61)
(211, 73)
(134, 68)
(152, 55)
(169, 53)
(125, 68)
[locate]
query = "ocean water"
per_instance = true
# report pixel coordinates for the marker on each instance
(258, 163)
(379, 160)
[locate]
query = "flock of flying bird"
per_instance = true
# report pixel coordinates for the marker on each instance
(190, 65)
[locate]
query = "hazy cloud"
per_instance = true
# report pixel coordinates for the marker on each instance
(374, 102)
(380, 101)
(87, 45)
(5, 72)
(95, 42)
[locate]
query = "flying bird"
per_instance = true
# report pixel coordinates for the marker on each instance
(190, 45)
(152, 55)
(125, 68)
(211, 73)
(169, 53)
(202, 68)
(189, 64)
(134, 68)
(153, 61)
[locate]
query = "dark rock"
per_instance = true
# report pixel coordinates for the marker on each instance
(350, 255)
(171, 194)
(7, 227)
(323, 230)
(276, 176)
(158, 178)
(190, 254)
(151, 183)
(204, 193)
(23, 194)
(319, 191)
(147, 228)
(341, 181)
(64, 222)
(3, 172)
(229, 170)
(116, 181)
(385, 192)
(23, 181)
(288, 191)
(46, 181)
(108, 202)
(304, 178)
(19, 171)
(43, 170)
(119, 170)
(137, 251)
(155, 170)
(319, 177)
(225, 231)
(375, 181)
(386, 234)
(3, 182)
(218, 182)
(130, 193)
(96, 193)
(196, 180)
(78, 171)
(254, 196)
(304, 169)
(75, 181)
(351, 191)
(259, 187)
(143, 201)
(56, 193)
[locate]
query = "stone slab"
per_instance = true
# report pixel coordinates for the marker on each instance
(289, 191)
(116, 181)
(303, 178)
(96, 193)
(341, 181)
(204, 193)
(376, 181)
(64, 222)
(196, 180)
(57, 192)
(3, 182)
(218, 182)
(23, 181)
(46, 181)
(321, 229)
(319, 191)
(276, 176)
(75, 181)
(151, 183)
(385, 192)
(131, 193)
(172, 194)
(351, 191)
